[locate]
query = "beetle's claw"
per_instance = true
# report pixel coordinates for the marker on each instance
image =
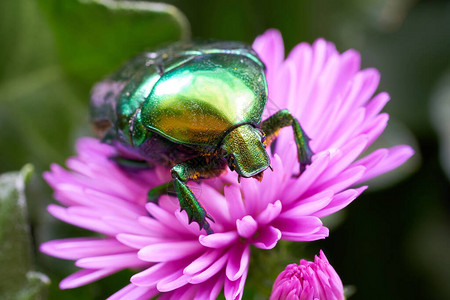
(189, 214)
(206, 227)
(209, 231)
(302, 169)
(211, 218)
(202, 223)
(190, 219)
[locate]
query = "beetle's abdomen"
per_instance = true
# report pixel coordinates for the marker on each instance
(103, 106)
(115, 100)
(199, 101)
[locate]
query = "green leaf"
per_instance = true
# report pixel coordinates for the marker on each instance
(17, 279)
(95, 36)
(40, 115)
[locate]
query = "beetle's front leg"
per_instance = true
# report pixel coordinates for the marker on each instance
(198, 168)
(283, 118)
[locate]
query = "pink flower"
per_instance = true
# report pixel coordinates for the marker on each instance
(332, 98)
(309, 280)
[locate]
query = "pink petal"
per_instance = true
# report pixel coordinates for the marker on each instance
(310, 90)
(165, 218)
(95, 199)
(212, 289)
(347, 129)
(309, 205)
(343, 158)
(246, 227)
(169, 251)
(319, 58)
(375, 127)
(134, 292)
(136, 241)
(209, 272)
(345, 179)
(375, 105)
(218, 240)
(324, 89)
(270, 180)
(234, 289)
(125, 225)
(307, 178)
(301, 225)
(396, 156)
(76, 248)
(151, 276)
(286, 151)
(252, 194)
(299, 237)
(374, 158)
(119, 261)
(218, 208)
(202, 262)
(340, 201)
(168, 202)
(185, 292)
(270, 49)
(267, 238)
(285, 83)
(172, 282)
(362, 88)
(193, 229)
(370, 80)
(301, 56)
(350, 65)
(270, 213)
(83, 277)
(161, 229)
(73, 216)
(235, 203)
(239, 257)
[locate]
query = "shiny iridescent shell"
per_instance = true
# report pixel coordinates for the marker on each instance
(190, 94)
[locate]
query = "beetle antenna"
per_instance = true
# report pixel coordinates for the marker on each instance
(271, 168)
(239, 178)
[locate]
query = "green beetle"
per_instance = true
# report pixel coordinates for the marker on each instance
(195, 108)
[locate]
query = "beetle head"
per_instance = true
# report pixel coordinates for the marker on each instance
(245, 151)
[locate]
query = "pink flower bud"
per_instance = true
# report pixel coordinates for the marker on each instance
(308, 281)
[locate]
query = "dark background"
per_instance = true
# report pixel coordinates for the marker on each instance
(393, 242)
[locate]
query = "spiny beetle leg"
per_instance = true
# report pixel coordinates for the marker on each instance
(157, 191)
(197, 168)
(283, 118)
(304, 152)
(130, 164)
(193, 208)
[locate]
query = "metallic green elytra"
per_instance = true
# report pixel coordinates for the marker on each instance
(195, 108)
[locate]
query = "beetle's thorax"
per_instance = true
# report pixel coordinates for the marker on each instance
(245, 151)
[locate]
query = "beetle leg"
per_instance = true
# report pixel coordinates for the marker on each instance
(195, 211)
(130, 164)
(193, 169)
(157, 191)
(283, 118)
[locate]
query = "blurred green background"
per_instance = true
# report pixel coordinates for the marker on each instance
(393, 242)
